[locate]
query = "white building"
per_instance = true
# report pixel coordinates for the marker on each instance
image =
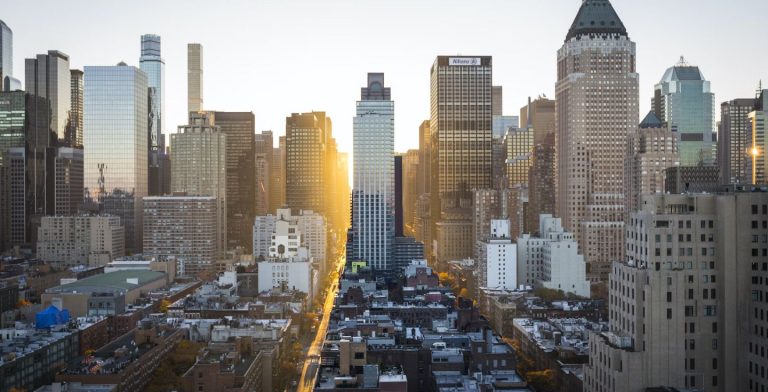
(295, 272)
(552, 259)
(497, 261)
(74, 240)
(309, 226)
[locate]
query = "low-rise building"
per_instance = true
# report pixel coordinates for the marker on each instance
(30, 358)
(128, 361)
(105, 294)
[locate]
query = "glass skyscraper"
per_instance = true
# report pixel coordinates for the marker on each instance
(7, 81)
(373, 198)
(115, 133)
(154, 66)
(683, 100)
(48, 76)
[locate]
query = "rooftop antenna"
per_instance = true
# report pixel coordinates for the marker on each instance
(682, 62)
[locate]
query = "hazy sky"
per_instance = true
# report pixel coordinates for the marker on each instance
(277, 57)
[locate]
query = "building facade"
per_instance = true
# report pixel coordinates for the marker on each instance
(115, 131)
(373, 193)
(652, 150)
(48, 76)
(685, 307)
(194, 77)
(80, 240)
(683, 101)
(460, 126)
(551, 259)
(497, 262)
(597, 110)
(200, 152)
(183, 227)
(733, 141)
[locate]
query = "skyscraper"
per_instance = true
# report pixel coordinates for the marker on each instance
(519, 147)
(461, 147)
(685, 309)
(733, 141)
(199, 149)
(373, 194)
(115, 133)
(683, 100)
(652, 150)
(7, 81)
(410, 190)
(194, 77)
(461, 97)
(74, 136)
(263, 167)
(305, 160)
(48, 76)
(25, 145)
(597, 110)
(539, 115)
(759, 120)
(239, 128)
(153, 65)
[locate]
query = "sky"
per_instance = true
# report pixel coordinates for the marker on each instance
(276, 57)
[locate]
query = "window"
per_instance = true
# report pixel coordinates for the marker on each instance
(714, 363)
(669, 313)
(669, 296)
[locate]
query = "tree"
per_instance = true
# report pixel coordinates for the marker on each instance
(543, 380)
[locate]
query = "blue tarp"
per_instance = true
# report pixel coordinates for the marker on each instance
(51, 316)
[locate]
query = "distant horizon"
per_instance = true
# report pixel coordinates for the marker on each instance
(257, 61)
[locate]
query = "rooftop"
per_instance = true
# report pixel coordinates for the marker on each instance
(118, 280)
(596, 17)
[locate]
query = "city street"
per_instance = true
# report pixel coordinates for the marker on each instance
(312, 363)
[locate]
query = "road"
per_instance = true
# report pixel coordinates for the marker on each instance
(312, 363)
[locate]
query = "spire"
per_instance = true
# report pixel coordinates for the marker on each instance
(596, 17)
(651, 120)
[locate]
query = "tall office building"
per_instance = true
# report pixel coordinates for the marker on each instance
(410, 190)
(758, 118)
(239, 128)
(597, 110)
(652, 150)
(423, 223)
(539, 114)
(263, 167)
(497, 97)
(687, 307)
(115, 131)
(487, 205)
(461, 102)
(194, 77)
(67, 178)
(541, 182)
(373, 194)
(277, 180)
(734, 142)
(48, 76)
(200, 152)
(153, 65)
(183, 227)
(25, 152)
(683, 100)
(306, 142)
(519, 148)
(7, 81)
(74, 136)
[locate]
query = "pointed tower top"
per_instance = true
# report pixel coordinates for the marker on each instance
(596, 17)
